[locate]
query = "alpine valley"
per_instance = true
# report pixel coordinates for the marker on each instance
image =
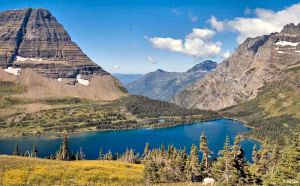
(49, 85)
(236, 122)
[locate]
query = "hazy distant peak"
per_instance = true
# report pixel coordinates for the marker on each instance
(160, 70)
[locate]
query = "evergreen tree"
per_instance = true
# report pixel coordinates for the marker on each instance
(255, 155)
(82, 155)
(100, 154)
(205, 152)
(73, 156)
(227, 158)
(287, 170)
(64, 151)
(26, 154)
(146, 150)
(151, 171)
(179, 166)
(16, 151)
(116, 156)
(110, 155)
(223, 166)
(264, 161)
(254, 176)
(35, 151)
(239, 163)
(192, 169)
(162, 149)
(77, 156)
(274, 158)
(170, 151)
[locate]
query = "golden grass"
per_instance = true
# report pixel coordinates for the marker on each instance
(34, 171)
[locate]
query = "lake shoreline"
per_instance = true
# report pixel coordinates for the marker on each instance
(56, 135)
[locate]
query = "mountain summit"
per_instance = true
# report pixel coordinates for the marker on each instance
(36, 51)
(207, 65)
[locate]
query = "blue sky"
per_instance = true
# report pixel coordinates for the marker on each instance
(140, 36)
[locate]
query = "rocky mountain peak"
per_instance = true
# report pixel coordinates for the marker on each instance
(160, 70)
(207, 65)
(291, 29)
(33, 38)
(37, 52)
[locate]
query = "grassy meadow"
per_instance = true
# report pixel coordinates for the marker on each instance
(34, 171)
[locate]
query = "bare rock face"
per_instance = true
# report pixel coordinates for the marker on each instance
(255, 62)
(33, 39)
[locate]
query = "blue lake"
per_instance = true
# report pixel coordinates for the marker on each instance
(117, 141)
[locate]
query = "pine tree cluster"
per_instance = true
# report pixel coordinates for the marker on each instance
(270, 166)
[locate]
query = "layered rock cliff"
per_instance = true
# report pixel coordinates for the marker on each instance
(257, 61)
(164, 85)
(32, 39)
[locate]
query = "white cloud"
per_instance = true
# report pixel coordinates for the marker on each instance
(151, 60)
(201, 33)
(116, 67)
(218, 25)
(174, 45)
(264, 22)
(193, 18)
(197, 44)
(226, 54)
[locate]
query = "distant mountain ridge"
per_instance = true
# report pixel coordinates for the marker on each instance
(164, 85)
(127, 78)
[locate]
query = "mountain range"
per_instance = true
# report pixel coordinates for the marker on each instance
(164, 85)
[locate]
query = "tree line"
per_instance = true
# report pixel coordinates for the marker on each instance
(271, 166)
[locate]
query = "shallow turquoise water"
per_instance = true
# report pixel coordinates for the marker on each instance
(117, 141)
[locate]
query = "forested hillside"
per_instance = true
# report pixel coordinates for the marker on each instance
(275, 113)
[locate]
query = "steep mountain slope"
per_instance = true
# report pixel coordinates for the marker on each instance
(164, 85)
(36, 52)
(256, 62)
